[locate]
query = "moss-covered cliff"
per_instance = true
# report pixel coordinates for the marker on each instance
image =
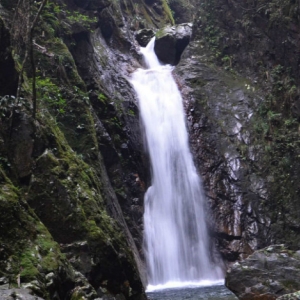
(73, 170)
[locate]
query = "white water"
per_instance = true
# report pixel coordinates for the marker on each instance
(175, 233)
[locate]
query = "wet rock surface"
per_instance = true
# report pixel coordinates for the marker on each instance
(292, 296)
(239, 148)
(17, 294)
(219, 108)
(253, 41)
(266, 274)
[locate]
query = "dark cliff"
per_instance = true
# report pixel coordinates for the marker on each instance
(73, 176)
(241, 81)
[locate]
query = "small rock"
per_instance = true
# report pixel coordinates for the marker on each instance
(171, 42)
(144, 36)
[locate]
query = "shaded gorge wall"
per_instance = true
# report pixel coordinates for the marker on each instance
(75, 177)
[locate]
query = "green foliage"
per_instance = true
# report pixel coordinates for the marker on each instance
(50, 15)
(116, 122)
(76, 17)
(44, 253)
(102, 98)
(130, 112)
(56, 18)
(28, 266)
(50, 93)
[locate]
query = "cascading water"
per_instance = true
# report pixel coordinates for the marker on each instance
(176, 240)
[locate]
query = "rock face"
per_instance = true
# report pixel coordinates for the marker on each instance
(219, 108)
(238, 121)
(253, 41)
(266, 274)
(73, 179)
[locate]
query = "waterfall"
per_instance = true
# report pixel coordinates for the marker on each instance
(175, 233)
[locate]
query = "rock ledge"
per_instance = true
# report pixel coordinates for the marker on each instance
(266, 274)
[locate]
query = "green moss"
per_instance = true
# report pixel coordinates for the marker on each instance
(168, 11)
(159, 33)
(146, 15)
(28, 264)
(29, 248)
(94, 232)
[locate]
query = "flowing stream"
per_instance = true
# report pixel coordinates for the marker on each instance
(175, 233)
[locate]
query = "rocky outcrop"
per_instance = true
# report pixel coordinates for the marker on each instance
(29, 257)
(266, 274)
(171, 42)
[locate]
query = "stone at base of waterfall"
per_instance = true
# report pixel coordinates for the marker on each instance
(293, 296)
(18, 294)
(266, 274)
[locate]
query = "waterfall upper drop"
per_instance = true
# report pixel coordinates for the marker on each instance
(175, 233)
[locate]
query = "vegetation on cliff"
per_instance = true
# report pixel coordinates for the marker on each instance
(57, 123)
(73, 170)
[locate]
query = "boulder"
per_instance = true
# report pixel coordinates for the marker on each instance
(266, 274)
(171, 42)
(144, 36)
(18, 294)
(292, 296)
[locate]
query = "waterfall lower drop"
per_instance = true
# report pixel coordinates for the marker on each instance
(175, 233)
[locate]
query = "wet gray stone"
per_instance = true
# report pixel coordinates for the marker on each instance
(18, 294)
(271, 271)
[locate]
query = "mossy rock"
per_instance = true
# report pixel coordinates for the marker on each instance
(66, 194)
(28, 250)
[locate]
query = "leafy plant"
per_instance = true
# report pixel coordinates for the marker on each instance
(84, 20)
(50, 93)
(102, 97)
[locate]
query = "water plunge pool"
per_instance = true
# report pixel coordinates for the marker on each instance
(214, 292)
